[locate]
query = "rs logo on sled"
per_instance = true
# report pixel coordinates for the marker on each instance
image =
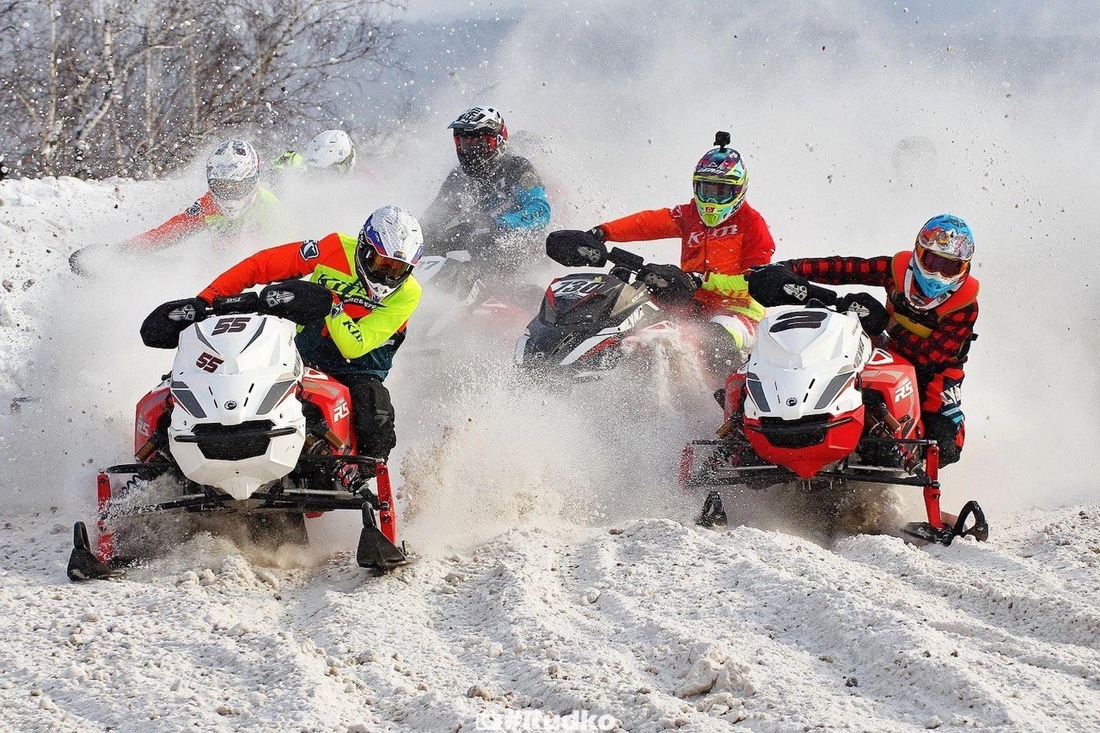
(208, 362)
(904, 390)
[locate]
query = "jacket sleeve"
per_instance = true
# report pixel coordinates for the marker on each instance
(758, 249)
(534, 207)
(843, 270)
(269, 265)
(356, 338)
(178, 227)
(444, 208)
(643, 226)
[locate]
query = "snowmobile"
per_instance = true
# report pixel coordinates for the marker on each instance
(819, 403)
(241, 425)
(589, 320)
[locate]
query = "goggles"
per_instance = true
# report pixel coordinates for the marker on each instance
(476, 143)
(938, 263)
(227, 190)
(385, 269)
(712, 192)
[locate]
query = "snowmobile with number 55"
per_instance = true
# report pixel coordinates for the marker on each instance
(819, 404)
(240, 425)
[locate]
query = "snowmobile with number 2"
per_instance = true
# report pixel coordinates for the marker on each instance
(241, 425)
(817, 403)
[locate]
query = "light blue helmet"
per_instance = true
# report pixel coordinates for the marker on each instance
(941, 261)
(390, 245)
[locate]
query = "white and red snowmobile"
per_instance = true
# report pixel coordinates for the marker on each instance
(820, 404)
(242, 425)
(589, 321)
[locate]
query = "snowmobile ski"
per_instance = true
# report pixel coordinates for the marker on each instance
(83, 563)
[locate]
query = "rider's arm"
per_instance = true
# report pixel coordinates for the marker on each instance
(446, 205)
(270, 265)
(643, 226)
(534, 207)
(355, 338)
(843, 270)
(946, 345)
(178, 227)
(757, 245)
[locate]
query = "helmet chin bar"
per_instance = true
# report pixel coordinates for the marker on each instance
(234, 209)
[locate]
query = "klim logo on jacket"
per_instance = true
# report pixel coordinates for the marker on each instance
(696, 237)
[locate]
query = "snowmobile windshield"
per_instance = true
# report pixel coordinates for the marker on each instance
(939, 264)
(712, 192)
(227, 190)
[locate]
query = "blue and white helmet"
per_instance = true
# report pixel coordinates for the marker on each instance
(941, 261)
(390, 245)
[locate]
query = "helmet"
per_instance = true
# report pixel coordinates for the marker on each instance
(480, 136)
(331, 150)
(941, 261)
(233, 174)
(720, 182)
(390, 245)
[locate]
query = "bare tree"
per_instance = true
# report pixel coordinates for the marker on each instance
(133, 87)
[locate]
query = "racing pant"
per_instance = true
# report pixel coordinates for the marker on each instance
(372, 413)
(941, 412)
(727, 340)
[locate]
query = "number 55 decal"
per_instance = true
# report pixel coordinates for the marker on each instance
(209, 362)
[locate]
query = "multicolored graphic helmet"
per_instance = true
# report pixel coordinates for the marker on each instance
(941, 261)
(720, 183)
(480, 137)
(389, 247)
(233, 174)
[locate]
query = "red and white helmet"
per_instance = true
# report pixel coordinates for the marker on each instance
(233, 174)
(480, 137)
(331, 150)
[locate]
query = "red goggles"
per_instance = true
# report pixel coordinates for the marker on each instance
(939, 264)
(482, 143)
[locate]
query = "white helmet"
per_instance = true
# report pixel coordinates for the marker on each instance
(331, 149)
(233, 174)
(389, 247)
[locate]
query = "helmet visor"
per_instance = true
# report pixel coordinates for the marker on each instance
(227, 190)
(712, 192)
(937, 263)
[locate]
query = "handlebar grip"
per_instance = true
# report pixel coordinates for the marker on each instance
(228, 305)
(622, 258)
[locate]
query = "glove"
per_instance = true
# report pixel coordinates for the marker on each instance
(777, 285)
(871, 313)
(574, 248)
(162, 328)
(669, 284)
(296, 300)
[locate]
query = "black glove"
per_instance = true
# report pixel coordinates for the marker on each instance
(296, 300)
(669, 284)
(777, 285)
(162, 328)
(574, 248)
(871, 313)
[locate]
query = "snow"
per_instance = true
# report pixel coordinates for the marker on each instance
(559, 571)
(657, 624)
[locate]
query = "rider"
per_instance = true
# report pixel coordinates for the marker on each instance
(491, 192)
(722, 237)
(933, 304)
(234, 204)
(331, 151)
(373, 294)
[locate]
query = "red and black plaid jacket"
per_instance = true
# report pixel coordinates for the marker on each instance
(950, 337)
